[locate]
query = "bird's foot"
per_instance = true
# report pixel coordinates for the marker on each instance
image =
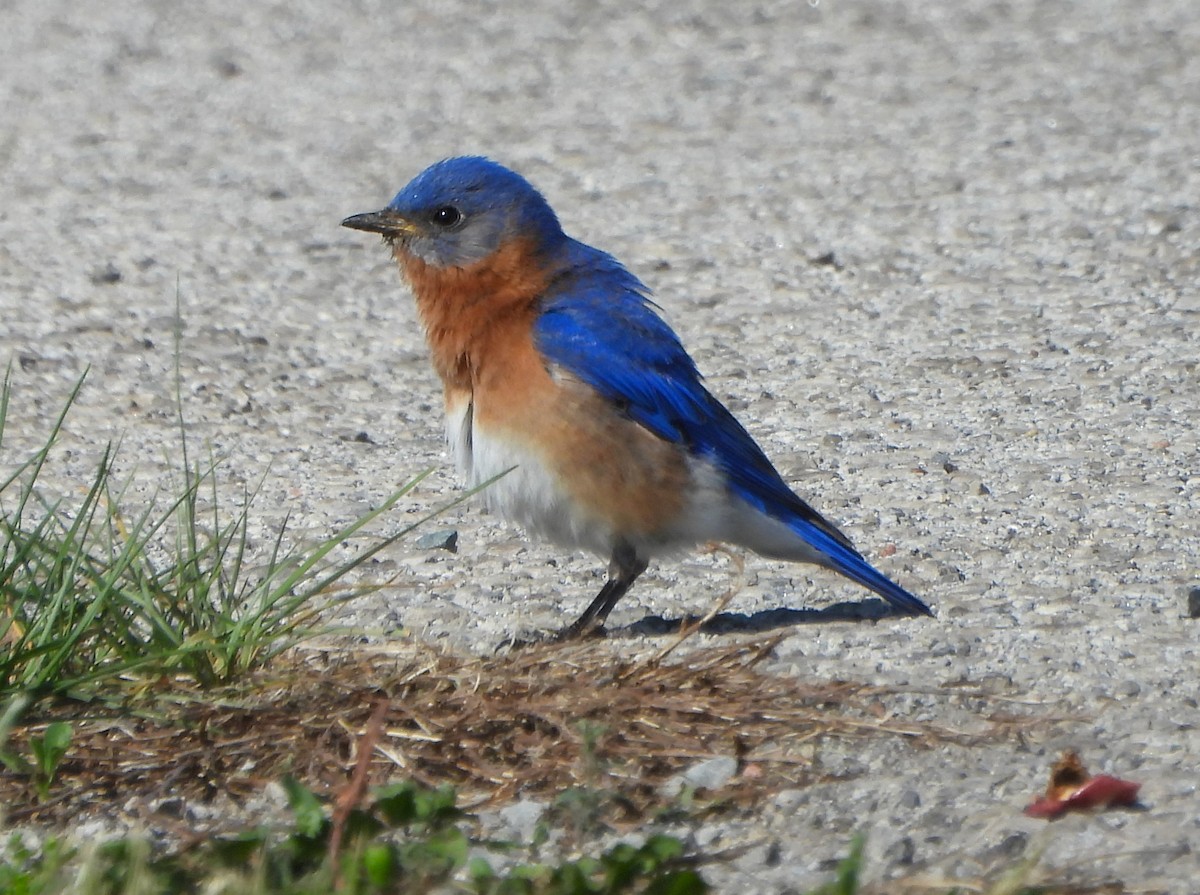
(515, 642)
(580, 632)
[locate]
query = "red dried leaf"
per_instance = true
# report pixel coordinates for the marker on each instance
(1072, 788)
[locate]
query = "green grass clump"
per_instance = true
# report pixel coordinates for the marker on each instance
(91, 594)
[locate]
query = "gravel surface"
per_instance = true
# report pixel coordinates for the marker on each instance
(942, 259)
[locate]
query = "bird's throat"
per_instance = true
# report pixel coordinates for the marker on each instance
(464, 308)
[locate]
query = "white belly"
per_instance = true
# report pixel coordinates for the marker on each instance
(519, 486)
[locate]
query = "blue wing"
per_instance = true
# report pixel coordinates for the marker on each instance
(598, 323)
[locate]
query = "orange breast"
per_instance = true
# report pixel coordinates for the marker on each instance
(479, 323)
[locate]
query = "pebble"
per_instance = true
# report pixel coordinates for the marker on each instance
(440, 539)
(710, 774)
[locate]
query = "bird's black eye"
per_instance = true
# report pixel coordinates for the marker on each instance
(447, 216)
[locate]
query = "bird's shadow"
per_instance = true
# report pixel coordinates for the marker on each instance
(721, 623)
(760, 622)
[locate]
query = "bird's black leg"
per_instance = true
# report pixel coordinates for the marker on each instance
(623, 570)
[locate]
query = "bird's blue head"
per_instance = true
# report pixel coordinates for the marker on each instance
(460, 211)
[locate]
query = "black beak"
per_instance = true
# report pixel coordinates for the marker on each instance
(386, 222)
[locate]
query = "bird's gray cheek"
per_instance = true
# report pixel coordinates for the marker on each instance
(480, 239)
(433, 252)
(461, 249)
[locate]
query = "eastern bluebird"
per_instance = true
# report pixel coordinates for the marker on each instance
(556, 365)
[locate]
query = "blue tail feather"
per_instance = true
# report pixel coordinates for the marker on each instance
(850, 562)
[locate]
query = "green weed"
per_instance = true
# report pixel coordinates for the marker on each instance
(46, 752)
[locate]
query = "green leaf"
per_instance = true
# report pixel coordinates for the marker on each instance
(681, 882)
(406, 804)
(306, 808)
(380, 862)
(846, 879)
(513, 885)
(54, 744)
(480, 871)
(662, 848)
(13, 709)
(362, 825)
(448, 848)
(397, 802)
(16, 763)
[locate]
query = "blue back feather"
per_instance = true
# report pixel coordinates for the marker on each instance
(598, 323)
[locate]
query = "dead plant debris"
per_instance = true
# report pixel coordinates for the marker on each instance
(533, 722)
